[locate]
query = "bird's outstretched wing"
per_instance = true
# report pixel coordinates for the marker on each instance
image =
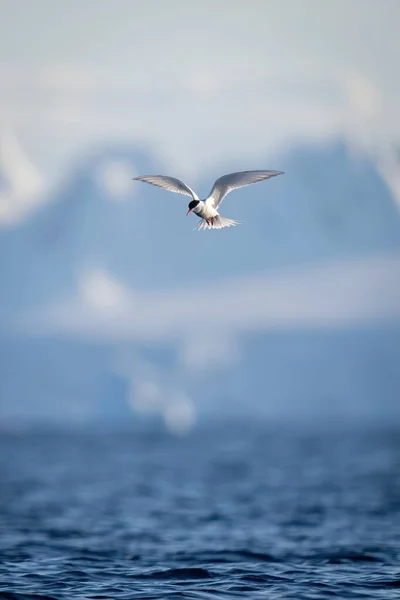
(168, 183)
(233, 181)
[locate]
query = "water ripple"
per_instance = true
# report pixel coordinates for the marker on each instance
(214, 516)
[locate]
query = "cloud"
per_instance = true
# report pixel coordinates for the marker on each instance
(205, 350)
(180, 415)
(363, 96)
(197, 118)
(23, 189)
(335, 295)
(102, 294)
(153, 391)
(272, 76)
(115, 176)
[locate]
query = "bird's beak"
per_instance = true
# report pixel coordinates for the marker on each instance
(189, 211)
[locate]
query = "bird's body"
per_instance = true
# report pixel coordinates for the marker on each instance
(207, 209)
(207, 213)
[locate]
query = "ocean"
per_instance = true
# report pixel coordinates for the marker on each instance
(233, 510)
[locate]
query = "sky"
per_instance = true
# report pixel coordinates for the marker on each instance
(203, 84)
(206, 87)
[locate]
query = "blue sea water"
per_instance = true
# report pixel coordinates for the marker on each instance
(230, 511)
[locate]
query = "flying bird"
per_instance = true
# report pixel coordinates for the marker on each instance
(207, 209)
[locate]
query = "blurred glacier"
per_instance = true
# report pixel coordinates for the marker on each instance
(112, 307)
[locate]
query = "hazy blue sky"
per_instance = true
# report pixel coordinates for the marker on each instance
(204, 83)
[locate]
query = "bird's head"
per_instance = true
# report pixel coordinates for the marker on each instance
(192, 205)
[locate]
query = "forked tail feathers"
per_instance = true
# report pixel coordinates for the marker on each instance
(217, 222)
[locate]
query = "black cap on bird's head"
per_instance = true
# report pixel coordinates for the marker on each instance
(192, 205)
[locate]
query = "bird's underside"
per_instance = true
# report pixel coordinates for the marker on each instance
(217, 222)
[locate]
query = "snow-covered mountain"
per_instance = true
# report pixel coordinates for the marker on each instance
(328, 206)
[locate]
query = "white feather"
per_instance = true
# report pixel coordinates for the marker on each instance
(233, 181)
(168, 183)
(218, 222)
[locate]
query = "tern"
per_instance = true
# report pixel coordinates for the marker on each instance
(207, 209)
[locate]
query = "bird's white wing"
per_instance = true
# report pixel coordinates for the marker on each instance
(168, 183)
(233, 181)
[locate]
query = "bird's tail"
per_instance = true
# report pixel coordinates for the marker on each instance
(217, 222)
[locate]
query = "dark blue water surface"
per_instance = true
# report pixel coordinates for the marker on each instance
(227, 512)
